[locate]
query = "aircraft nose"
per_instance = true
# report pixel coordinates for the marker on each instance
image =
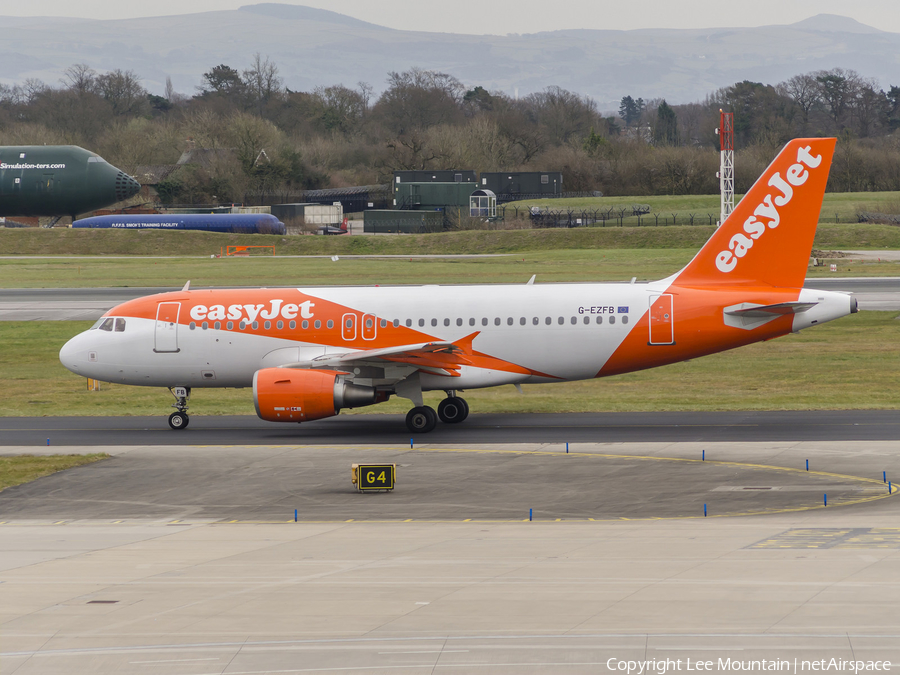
(68, 355)
(126, 186)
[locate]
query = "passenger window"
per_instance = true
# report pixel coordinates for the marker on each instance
(599, 319)
(587, 320)
(107, 325)
(230, 325)
(317, 324)
(509, 321)
(434, 322)
(396, 323)
(459, 322)
(446, 322)
(522, 321)
(484, 321)
(625, 319)
(496, 320)
(293, 324)
(305, 325)
(421, 322)
(548, 321)
(472, 321)
(120, 325)
(255, 325)
(218, 325)
(612, 319)
(205, 325)
(280, 325)
(191, 325)
(535, 321)
(561, 320)
(574, 320)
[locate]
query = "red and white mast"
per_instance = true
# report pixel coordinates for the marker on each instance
(726, 164)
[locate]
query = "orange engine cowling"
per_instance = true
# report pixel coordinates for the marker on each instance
(296, 395)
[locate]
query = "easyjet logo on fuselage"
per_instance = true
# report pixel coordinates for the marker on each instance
(251, 312)
(767, 210)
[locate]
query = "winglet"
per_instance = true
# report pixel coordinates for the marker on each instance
(465, 344)
(530, 282)
(768, 237)
(187, 286)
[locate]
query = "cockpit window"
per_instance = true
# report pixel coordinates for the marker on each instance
(97, 323)
(107, 325)
(120, 325)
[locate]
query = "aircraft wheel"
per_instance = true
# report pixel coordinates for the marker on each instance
(453, 410)
(421, 419)
(179, 420)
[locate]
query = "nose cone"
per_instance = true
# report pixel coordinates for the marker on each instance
(72, 355)
(126, 186)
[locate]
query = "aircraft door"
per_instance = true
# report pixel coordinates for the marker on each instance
(369, 326)
(166, 338)
(662, 320)
(348, 326)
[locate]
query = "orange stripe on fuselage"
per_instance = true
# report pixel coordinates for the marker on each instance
(699, 328)
(319, 309)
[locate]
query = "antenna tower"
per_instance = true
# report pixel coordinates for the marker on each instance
(726, 164)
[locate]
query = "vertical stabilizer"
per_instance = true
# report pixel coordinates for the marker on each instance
(768, 237)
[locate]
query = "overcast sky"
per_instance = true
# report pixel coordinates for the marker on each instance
(507, 16)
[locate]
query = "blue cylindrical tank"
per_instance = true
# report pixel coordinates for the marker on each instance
(241, 223)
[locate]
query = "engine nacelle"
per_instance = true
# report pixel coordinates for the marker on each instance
(297, 395)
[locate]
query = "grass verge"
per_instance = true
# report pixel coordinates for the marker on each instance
(852, 363)
(19, 469)
(67, 242)
(587, 265)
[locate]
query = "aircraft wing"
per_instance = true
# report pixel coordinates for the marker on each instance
(444, 358)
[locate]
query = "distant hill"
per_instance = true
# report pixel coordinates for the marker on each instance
(317, 47)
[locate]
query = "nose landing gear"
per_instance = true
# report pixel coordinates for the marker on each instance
(179, 419)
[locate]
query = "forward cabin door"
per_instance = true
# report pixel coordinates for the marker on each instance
(167, 327)
(662, 320)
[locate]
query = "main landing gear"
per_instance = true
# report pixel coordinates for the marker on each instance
(451, 410)
(179, 419)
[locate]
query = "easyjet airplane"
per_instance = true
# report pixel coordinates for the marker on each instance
(310, 352)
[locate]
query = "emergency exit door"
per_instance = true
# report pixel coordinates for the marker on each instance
(167, 327)
(662, 320)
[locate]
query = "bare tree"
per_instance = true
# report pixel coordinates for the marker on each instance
(804, 91)
(123, 91)
(80, 78)
(262, 81)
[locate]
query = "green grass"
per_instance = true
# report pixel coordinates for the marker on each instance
(602, 264)
(67, 242)
(840, 206)
(852, 363)
(18, 469)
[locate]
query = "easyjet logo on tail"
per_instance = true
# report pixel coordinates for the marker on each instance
(766, 214)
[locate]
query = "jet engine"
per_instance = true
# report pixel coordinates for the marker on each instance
(297, 395)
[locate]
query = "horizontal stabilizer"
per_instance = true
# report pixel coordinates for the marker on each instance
(750, 309)
(750, 315)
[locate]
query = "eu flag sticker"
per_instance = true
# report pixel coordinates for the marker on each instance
(622, 310)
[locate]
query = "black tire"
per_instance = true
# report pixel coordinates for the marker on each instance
(453, 410)
(179, 420)
(421, 420)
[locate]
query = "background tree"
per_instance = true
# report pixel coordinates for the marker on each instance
(666, 131)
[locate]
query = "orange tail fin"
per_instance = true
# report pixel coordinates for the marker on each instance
(768, 237)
